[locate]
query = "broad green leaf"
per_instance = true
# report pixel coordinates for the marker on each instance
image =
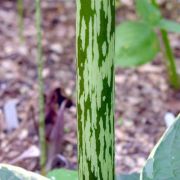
(148, 12)
(8, 172)
(134, 176)
(169, 25)
(63, 174)
(136, 44)
(164, 160)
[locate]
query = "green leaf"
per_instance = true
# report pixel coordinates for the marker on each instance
(63, 174)
(8, 172)
(136, 44)
(134, 176)
(148, 12)
(169, 25)
(164, 160)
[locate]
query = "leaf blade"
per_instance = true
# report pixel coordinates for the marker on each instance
(136, 44)
(148, 12)
(58, 174)
(17, 173)
(169, 25)
(133, 176)
(164, 160)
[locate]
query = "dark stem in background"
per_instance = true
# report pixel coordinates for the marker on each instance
(42, 139)
(95, 35)
(20, 5)
(171, 63)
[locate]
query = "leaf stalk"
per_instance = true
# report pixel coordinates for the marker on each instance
(168, 53)
(41, 89)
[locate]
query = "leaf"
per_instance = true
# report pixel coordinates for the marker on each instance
(164, 160)
(134, 176)
(63, 174)
(148, 12)
(8, 172)
(136, 44)
(169, 25)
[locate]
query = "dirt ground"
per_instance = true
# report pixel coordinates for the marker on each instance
(143, 95)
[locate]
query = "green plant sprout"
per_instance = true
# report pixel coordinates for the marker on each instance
(40, 63)
(139, 43)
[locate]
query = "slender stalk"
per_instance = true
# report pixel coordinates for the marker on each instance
(171, 64)
(41, 88)
(20, 6)
(95, 88)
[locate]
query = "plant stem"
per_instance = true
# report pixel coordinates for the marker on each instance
(41, 89)
(20, 6)
(171, 63)
(95, 88)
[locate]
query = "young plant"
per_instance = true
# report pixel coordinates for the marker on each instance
(42, 139)
(171, 63)
(139, 43)
(95, 89)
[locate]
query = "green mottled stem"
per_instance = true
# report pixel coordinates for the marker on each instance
(168, 53)
(41, 88)
(95, 86)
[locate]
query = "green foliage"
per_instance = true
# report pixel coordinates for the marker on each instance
(138, 44)
(164, 160)
(168, 25)
(136, 47)
(133, 176)
(8, 172)
(147, 12)
(63, 174)
(73, 175)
